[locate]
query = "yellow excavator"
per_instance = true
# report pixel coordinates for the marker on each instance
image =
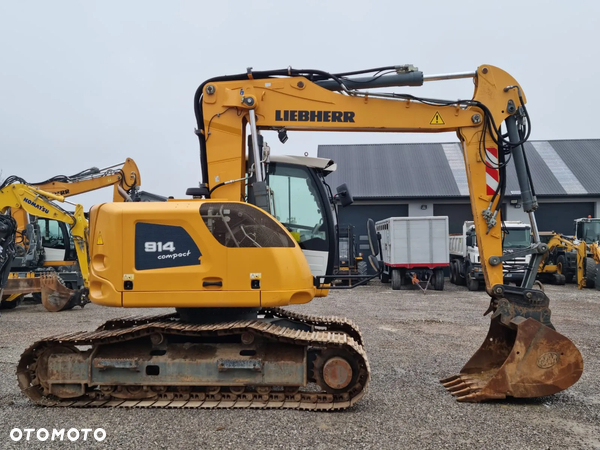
(59, 253)
(246, 243)
(22, 269)
(573, 257)
(561, 250)
(124, 177)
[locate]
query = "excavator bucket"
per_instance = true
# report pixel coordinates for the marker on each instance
(522, 359)
(57, 297)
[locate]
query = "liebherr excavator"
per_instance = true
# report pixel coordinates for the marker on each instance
(229, 258)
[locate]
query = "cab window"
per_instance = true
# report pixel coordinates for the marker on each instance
(297, 204)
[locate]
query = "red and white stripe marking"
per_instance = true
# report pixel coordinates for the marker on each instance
(492, 176)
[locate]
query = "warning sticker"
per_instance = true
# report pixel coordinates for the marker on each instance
(437, 119)
(100, 241)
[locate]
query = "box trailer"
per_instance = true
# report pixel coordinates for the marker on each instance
(414, 250)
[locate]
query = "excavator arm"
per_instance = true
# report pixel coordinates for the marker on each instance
(124, 177)
(39, 203)
(522, 355)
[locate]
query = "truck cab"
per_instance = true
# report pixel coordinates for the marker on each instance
(465, 264)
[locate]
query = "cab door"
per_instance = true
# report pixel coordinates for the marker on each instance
(300, 202)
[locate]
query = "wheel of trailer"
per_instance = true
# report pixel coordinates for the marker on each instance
(385, 277)
(362, 268)
(589, 272)
(452, 273)
(5, 304)
(472, 283)
(438, 279)
(335, 371)
(397, 279)
(558, 279)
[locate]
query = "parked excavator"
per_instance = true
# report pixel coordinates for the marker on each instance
(57, 256)
(22, 268)
(229, 258)
(573, 257)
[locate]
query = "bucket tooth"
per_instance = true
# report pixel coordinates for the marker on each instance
(456, 381)
(462, 392)
(458, 387)
(444, 381)
(471, 398)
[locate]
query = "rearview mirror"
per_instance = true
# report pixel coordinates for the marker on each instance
(374, 263)
(344, 196)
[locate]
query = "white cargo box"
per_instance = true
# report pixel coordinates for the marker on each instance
(414, 241)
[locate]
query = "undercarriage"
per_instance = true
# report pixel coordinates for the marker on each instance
(278, 359)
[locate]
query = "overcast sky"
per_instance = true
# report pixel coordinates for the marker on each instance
(89, 83)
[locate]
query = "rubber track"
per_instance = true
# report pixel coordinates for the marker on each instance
(120, 330)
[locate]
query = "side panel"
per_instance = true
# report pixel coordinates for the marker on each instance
(458, 245)
(165, 255)
(418, 241)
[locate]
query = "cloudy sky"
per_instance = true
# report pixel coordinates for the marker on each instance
(89, 83)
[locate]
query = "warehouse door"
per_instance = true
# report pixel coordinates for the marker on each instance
(559, 217)
(457, 214)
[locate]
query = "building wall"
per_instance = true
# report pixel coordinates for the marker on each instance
(554, 214)
(420, 208)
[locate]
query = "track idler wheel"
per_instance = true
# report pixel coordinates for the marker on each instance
(335, 371)
(525, 359)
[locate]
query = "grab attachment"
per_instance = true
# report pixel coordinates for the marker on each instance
(522, 355)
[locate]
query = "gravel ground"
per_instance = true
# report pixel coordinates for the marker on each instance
(412, 340)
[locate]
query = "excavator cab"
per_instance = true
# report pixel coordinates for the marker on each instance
(56, 240)
(301, 202)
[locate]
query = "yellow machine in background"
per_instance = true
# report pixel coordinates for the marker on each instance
(125, 179)
(57, 256)
(573, 257)
(587, 257)
(227, 265)
(23, 271)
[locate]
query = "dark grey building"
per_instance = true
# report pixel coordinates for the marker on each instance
(389, 180)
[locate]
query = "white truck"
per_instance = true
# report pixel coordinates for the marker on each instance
(414, 250)
(465, 267)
